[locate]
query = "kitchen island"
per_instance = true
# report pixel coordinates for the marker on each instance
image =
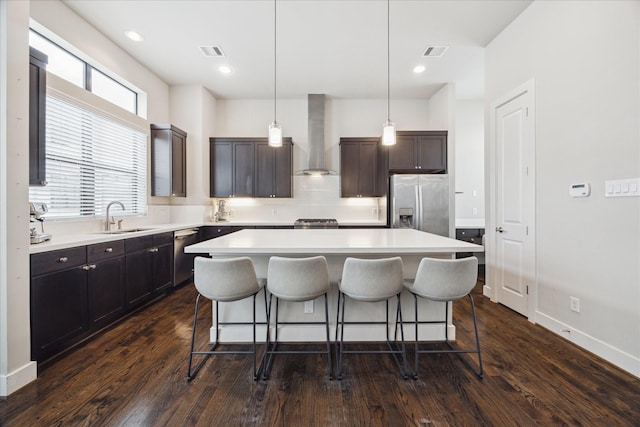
(335, 245)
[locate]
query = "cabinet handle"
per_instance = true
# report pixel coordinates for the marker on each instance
(153, 250)
(63, 259)
(89, 267)
(108, 250)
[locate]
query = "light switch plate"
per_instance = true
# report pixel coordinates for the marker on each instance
(622, 188)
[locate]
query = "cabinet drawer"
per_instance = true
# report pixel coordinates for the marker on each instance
(162, 238)
(63, 259)
(105, 250)
(138, 244)
(466, 233)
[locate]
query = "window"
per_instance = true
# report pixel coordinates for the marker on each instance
(71, 68)
(92, 160)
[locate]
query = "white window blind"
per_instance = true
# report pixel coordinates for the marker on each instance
(91, 160)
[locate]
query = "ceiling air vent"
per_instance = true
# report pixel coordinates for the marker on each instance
(435, 51)
(211, 51)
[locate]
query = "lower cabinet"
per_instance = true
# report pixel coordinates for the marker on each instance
(149, 267)
(75, 292)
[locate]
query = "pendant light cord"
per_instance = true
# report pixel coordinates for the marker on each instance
(275, 59)
(388, 67)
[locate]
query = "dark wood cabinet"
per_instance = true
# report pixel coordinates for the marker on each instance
(59, 316)
(37, 117)
(162, 262)
(139, 279)
(168, 161)
(231, 167)
(419, 151)
(359, 167)
(248, 167)
(273, 169)
(78, 291)
(106, 275)
(471, 235)
(207, 233)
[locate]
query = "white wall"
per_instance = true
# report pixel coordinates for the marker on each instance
(469, 161)
(16, 369)
(586, 69)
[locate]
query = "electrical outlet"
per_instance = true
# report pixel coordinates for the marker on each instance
(475, 211)
(574, 304)
(308, 307)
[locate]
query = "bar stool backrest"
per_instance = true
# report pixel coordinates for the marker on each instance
(372, 279)
(298, 279)
(445, 279)
(225, 279)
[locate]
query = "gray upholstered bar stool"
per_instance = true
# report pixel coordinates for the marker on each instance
(224, 280)
(445, 280)
(296, 279)
(372, 280)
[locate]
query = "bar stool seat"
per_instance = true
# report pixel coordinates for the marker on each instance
(445, 280)
(371, 280)
(296, 279)
(224, 280)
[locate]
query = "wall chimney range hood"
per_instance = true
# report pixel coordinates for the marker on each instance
(316, 165)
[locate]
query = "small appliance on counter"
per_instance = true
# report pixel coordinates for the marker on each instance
(36, 213)
(223, 213)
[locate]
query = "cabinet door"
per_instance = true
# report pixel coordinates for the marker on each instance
(59, 316)
(349, 165)
(367, 170)
(139, 277)
(37, 114)
(359, 168)
(243, 169)
(162, 268)
(265, 165)
(179, 164)
(432, 153)
(273, 170)
(221, 169)
(283, 170)
(106, 292)
(403, 154)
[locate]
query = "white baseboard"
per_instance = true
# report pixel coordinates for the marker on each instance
(611, 354)
(18, 378)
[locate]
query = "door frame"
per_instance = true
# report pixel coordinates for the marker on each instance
(491, 289)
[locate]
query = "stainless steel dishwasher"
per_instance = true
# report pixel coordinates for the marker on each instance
(183, 263)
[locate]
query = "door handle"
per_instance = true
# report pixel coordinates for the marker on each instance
(500, 229)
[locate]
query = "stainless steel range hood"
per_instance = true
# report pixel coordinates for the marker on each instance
(316, 165)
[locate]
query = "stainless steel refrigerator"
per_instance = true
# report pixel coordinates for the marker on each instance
(420, 202)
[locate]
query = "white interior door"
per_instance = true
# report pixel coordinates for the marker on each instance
(514, 265)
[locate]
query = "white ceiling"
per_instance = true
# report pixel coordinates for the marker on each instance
(335, 47)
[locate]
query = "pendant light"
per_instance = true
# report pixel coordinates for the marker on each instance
(275, 131)
(389, 127)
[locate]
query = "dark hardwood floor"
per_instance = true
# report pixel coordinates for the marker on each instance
(134, 374)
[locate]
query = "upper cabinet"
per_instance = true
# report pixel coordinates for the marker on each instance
(360, 174)
(273, 169)
(37, 112)
(248, 167)
(419, 151)
(168, 161)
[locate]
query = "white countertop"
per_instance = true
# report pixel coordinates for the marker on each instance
(332, 241)
(69, 240)
(63, 241)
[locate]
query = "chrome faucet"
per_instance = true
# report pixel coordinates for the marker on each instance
(108, 222)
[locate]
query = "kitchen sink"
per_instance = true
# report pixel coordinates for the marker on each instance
(125, 230)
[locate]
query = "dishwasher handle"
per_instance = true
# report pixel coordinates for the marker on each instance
(183, 234)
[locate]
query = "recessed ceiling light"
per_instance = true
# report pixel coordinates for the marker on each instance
(136, 37)
(419, 69)
(224, 69)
